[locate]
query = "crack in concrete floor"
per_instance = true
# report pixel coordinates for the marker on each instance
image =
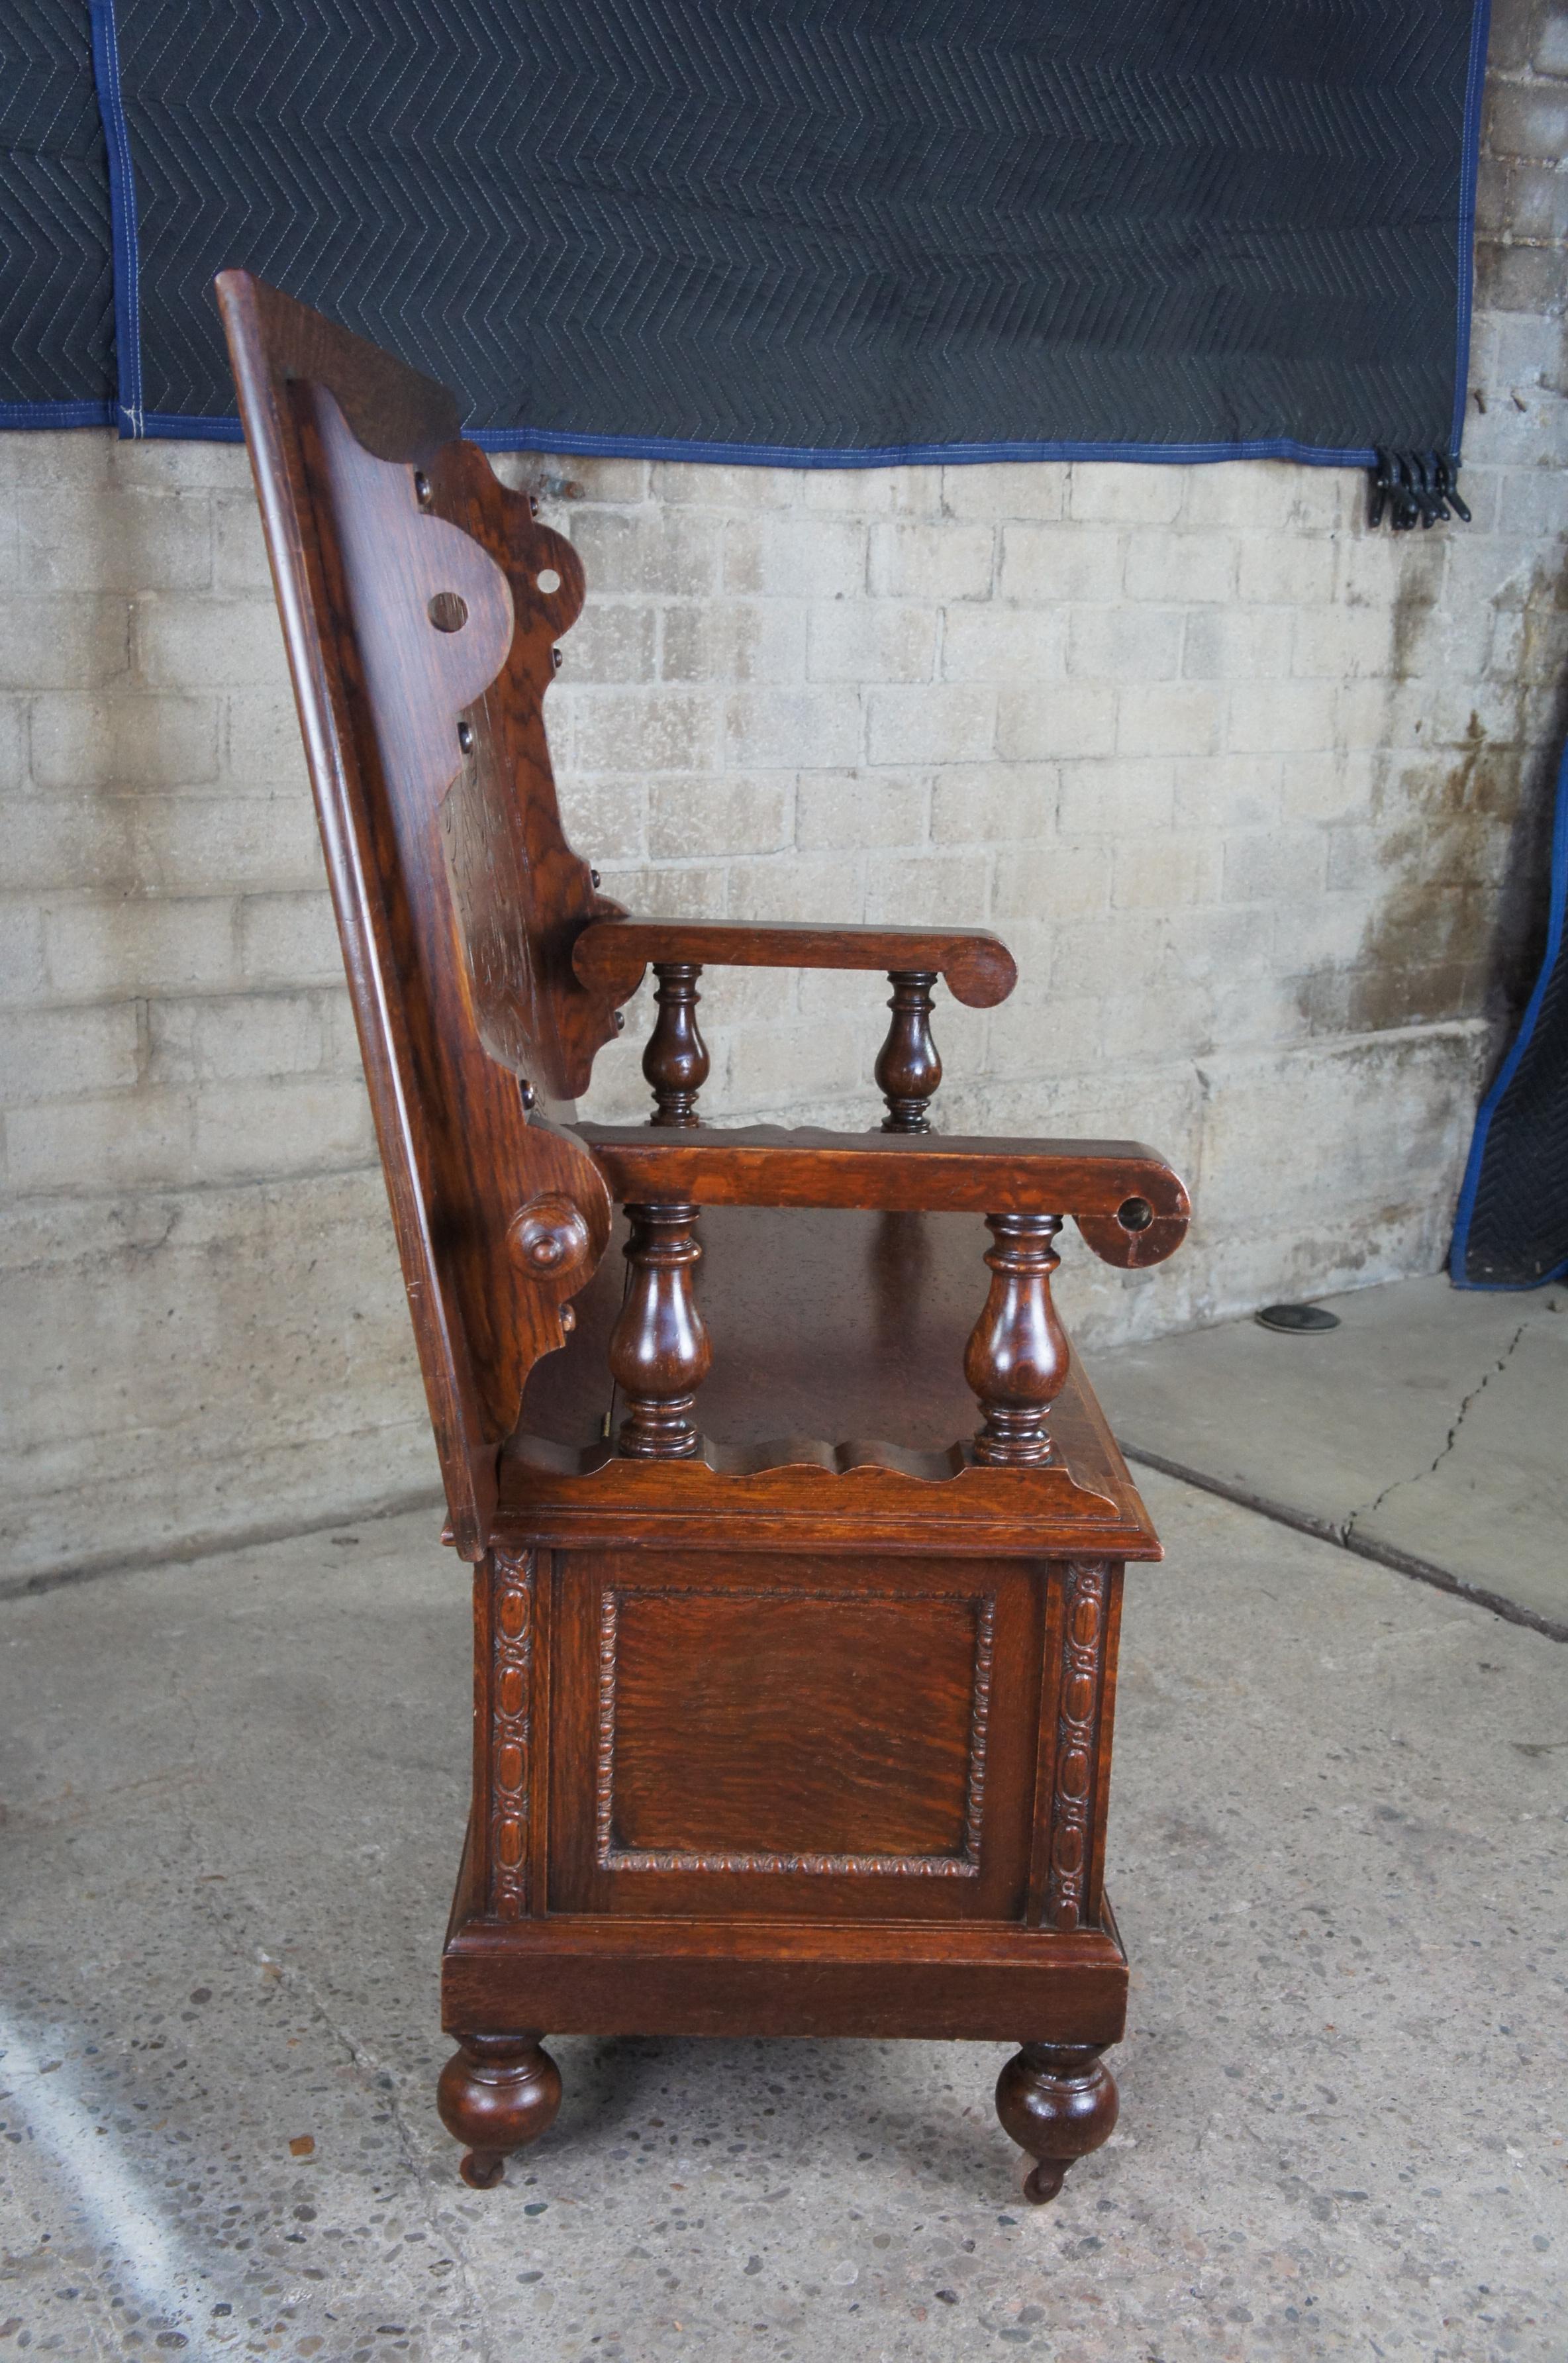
(1346, 1531)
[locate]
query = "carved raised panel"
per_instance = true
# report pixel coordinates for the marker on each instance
(1084, 1626)
(510, 1736)
(961, 1860)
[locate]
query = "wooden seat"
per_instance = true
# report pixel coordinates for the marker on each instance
(797, 1533)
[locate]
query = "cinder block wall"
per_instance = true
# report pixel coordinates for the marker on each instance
(1257, 797)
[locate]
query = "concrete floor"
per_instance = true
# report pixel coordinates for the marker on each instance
(236, 1790)
(1429, 1430)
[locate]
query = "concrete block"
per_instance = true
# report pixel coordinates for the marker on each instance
(1056, 720)
(696, 816)
(1217, 945)
(990, 642)
(710, 484)
(1046, 565)
(125, 741)
(230, 643)
(1226, 791)
(1348, 643)
(781, 1063)
(947, 722)
(1527, 119)
(47, 1054)
(1325, 786)
(208, 845)
(1332, 929)
(1116, 492)
(646, 731)
(1177, 1023)
(1025, 1038)
(742, 639)
(288, 940)
(826, 887)
(1272, 496)
(939, 562)
(22, 970)
(155, 466)
(262, 749)
(1270, 717)
(612, 641)
(1156, 873)
(928, 890)
(80, 537)
(1550, 54)
(1125, 643)
(79, 642)
(1168, 719)
(65, 841)
(1181, 565)
(857, 808)
(1239, 644)
(1114, 952)
(1284, 569)
(1070, 878)
(782, 727)
(859, 491)
(994, 490)
(13, 745)
(104, 951)
(993, 804)
(604, 817)
(871, 640)
(1107, 798)
(1273, 865)
(123, 1140)
(794, 557)
(235, 1037)
(311, 1123)
(672, 552)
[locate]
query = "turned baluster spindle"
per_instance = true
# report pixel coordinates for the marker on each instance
(659, 1350)
(907, 1069)
(1017, 1355)
(676, 1058)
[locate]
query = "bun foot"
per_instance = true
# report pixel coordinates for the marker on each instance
(1058, 2101)
(496, 2093)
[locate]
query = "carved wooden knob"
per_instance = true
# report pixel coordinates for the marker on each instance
(547, 1238)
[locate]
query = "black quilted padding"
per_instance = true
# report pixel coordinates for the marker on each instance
(1512, 1229)
(833, 226)
(56, 293)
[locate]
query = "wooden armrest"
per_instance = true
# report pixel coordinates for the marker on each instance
(1131, 1207)
(612, 953)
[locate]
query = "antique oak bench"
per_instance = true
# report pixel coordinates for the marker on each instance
(794, 1676)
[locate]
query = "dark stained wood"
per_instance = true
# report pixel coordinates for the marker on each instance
(1058, 2101)
(1017, 1355)
(659, 1349)
(977, 966)
(496, 2093)
(907, 1070)
(381, 690)
(676, 1058)
(797, 1720)
(1129, 1206)
(830, 1796)
(595, 1974)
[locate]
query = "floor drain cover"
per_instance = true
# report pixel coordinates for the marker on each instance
(1297, 1317)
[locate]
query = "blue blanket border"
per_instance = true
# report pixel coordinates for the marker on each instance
(135, 423)
(1556, 921)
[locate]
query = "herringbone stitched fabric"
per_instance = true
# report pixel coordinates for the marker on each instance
(827, 228)
(55, 283)
(1512, 1230)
